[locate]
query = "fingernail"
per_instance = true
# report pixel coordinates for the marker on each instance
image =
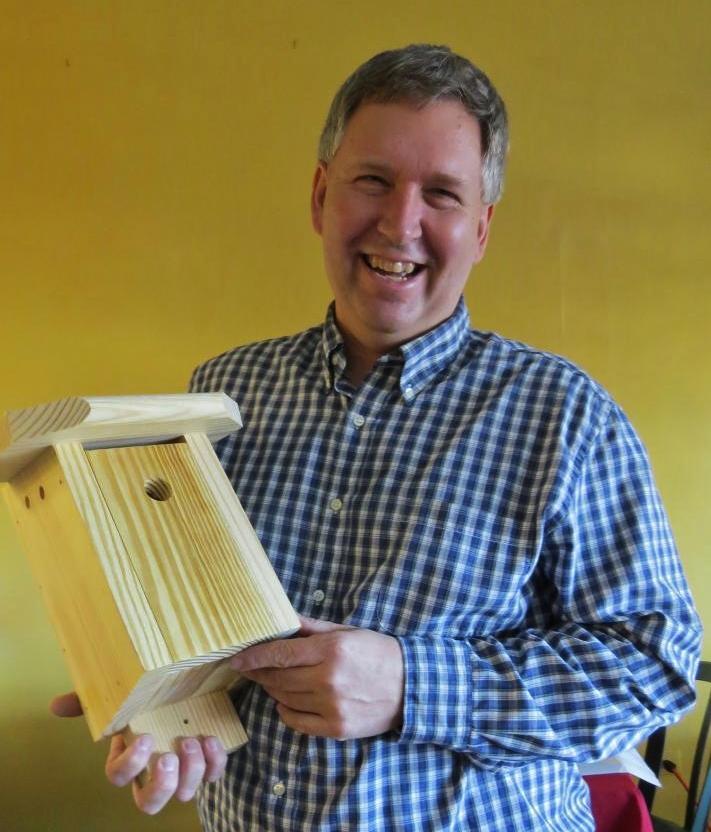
(144, 742)
(190, 746)
(168, 762)
(211, 744)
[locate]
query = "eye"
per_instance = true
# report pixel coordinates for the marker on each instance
(443, 197)
(371, 183)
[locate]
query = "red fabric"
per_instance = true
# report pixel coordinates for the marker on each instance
(617, 804)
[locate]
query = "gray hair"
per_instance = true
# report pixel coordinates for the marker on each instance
(420, 74)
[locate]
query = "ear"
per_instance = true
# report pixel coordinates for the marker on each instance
(482, 231)
(318, 196)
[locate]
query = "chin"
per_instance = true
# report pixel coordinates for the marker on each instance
(398, 330)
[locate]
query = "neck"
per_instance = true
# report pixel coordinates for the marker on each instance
(359, 360)
(362, 353)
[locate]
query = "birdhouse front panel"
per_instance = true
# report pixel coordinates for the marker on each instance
(203, 598)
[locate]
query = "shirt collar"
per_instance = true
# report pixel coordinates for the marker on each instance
(427, 356)
(332, 349)
(418, 361)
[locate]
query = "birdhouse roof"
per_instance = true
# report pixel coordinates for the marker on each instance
(111, 421)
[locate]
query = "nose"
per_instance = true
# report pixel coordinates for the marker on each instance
(400, 220)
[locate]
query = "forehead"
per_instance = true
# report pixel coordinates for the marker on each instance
(441, 136)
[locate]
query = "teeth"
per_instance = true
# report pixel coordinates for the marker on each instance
(395, 267)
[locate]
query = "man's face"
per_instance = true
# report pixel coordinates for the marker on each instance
(400, 213)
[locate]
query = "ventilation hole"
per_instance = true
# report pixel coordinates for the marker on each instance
(27, 502)
(186, 722)
(157, 489)
(41, 492)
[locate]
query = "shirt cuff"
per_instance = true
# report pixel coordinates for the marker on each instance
(438, 695)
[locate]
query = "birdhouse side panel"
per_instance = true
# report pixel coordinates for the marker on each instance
(102, 661)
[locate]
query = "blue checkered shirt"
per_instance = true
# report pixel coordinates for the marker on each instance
(491, 507)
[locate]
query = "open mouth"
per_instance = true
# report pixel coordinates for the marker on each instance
(397, 271)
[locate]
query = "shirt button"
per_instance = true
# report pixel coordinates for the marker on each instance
(278, 789)
(358, 420)
(318, 596)
(336, 504)
(408, 393)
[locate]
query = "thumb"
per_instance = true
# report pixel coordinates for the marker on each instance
(67, 704)
(313, 626)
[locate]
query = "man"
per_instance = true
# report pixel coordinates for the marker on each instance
(469, 526)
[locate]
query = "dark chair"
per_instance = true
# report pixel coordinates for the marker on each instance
(698, 802)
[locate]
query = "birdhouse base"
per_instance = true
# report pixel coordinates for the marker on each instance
(209, 715)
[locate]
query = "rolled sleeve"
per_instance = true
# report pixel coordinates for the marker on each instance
(438, 695)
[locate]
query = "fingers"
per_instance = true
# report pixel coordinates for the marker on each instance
(292, 679)
(306, 723)
(311, 626)
(288, 652)
(215, 759)
(304, 702)
(67, 704)
(161, 786)
(294, 652)
(354, 690)
(199, 761)
(171, 775)
(192, 768)
(125, 763)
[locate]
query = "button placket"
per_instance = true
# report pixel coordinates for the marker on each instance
(340, 481)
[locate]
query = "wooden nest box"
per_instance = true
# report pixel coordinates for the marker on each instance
(149, 567)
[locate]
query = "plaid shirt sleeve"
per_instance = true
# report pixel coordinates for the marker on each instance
(611, 641)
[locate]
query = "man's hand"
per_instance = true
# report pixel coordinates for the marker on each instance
(331, 680)
(179, 775)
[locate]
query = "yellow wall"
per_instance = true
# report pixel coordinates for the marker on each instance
(155, 161)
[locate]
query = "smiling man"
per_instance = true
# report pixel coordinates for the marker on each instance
(490, 589)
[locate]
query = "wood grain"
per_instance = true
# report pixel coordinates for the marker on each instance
(149, 566)
(121, 578)
(172, 684)
(283, 619)
(204, 597)
(111, 421)
(210, 715)
(102, 660)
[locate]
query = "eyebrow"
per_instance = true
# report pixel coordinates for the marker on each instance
(369, 165)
